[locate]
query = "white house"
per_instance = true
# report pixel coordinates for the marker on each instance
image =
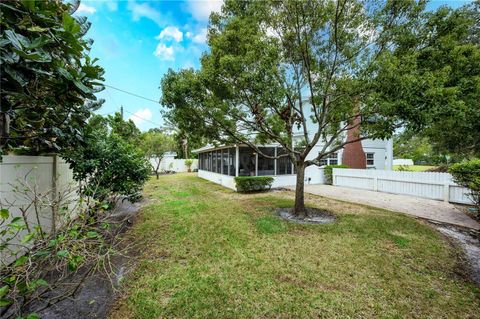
(221, 164)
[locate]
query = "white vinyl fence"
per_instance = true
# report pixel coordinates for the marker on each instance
(45, 180)
(169, 163)
(431, 185)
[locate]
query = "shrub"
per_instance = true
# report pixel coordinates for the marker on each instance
(188, 163)
(328, 171)
(109, 167)
(467, 174)
(247, 184)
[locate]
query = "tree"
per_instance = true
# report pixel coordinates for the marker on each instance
(451, 50)
(48, 80)
(155, 145)
(300, 72)
(412, 146)
(107, 165)
(127, 130)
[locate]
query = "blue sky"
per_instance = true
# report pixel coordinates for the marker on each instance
(138, 41)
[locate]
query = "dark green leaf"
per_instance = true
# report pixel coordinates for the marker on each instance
(4, 214)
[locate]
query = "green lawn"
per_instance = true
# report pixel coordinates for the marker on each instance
(207, 252)
(414, 168)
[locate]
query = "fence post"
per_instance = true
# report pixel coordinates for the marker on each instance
(54, 193)
(375, 184)
(446, 192)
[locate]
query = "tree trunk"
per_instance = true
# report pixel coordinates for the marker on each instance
(299, 208)
(156, 174)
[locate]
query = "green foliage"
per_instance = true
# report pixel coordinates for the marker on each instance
(246, 184)
(127, 130)
(188, 163)
(467, 174)
(412, 146)
(297, 73)
(328, 172)
(154, 145)
(48, 80)
(448, 51)
(108, 165)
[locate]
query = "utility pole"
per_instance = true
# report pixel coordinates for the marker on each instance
(121, 111)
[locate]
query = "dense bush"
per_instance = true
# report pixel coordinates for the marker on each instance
(107, 165)
(328, 172)
(111, 167)
(247, 184)
(467, 174)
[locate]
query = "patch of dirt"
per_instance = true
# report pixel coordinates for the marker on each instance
(469, 242)
(314, 216)
(95, 296)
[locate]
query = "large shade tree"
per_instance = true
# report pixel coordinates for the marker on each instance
(303, 72)
(451, 50)
(48, 80)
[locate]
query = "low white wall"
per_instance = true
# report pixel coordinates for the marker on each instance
(169, 163)
(23, 176)
(224, 180)
(431, 185)
(403, 161)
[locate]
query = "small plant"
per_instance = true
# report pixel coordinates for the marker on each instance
(467, 174)
(328, 172)
(43, 263)
(246, 184)
(188, 163)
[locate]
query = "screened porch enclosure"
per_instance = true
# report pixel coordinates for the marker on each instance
(243, 161)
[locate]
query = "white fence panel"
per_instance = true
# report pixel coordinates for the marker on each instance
(431, 185)
(169, 163)
(21, 177)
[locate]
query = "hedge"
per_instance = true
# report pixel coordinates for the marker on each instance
(328, 171)
(246, 184)
(467, 174)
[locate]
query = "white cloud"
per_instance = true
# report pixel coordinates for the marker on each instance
(164, 52)
(83, 8)
(144, 10)
(201, 37)
(170, 32)
(201, 9)
(188, 34)
(112, 5)
(141, 117)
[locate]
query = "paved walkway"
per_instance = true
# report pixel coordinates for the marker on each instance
(420, 207)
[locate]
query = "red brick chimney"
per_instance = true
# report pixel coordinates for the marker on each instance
(353, 154)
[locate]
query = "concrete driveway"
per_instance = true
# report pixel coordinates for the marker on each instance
(420, 207)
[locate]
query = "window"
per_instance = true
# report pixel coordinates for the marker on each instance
(246, 165)
(219, 162)
(210, 160)
(370, 159)
(332, 159)
(225, 162)
(266, 166)
(214, 162)
(284, 165)
(231, 160)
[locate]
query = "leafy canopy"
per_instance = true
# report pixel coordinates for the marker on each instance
(48, 80)
(300, 72)
(107, 164)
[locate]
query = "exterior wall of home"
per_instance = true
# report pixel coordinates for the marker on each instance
(224, 180)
